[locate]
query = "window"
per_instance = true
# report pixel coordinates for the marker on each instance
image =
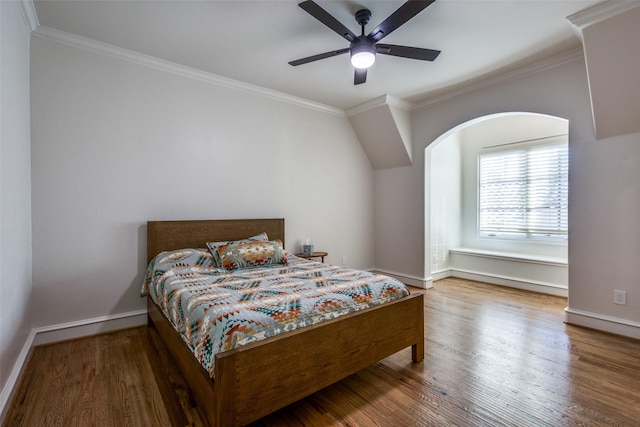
(523, 190)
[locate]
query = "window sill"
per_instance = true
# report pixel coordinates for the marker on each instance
(509, 256)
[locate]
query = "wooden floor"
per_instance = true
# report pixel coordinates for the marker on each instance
(494, 357)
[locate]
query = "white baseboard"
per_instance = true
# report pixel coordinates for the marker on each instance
(513, 282)
(10, 386)
(96, 325)
(602, 322)
(418, 282)
(61, 332)
(441, 274)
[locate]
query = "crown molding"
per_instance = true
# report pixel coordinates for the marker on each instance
(600, 12)
(29, 14)
(95, 46)
(519, 73)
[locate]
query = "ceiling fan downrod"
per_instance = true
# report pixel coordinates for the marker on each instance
(362, 17)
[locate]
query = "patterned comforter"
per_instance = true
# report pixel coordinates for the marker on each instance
(215, 310)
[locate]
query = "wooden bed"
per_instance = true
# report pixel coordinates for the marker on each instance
(254, 380)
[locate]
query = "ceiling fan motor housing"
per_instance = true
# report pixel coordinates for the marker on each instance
(363, 16)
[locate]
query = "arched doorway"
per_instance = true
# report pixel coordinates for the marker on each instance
(454, 246)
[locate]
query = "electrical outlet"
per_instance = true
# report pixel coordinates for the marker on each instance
(344, 260)
(620, 297)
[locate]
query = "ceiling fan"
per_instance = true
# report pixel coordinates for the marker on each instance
(363, 48)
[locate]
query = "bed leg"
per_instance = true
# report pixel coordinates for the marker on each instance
(417, 352)
(417, 349)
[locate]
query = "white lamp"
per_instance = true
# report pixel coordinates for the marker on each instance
(363, 55)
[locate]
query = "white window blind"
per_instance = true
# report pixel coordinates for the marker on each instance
(524, 192)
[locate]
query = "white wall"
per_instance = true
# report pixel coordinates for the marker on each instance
(116, 144)
(603, 179)
(446, 200)
(15, 196)
(604, 247)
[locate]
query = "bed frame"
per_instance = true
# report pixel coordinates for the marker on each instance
(257, 379)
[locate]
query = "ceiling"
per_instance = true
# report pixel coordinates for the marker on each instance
(253, 41)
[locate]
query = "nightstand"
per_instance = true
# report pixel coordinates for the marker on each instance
(320, 255)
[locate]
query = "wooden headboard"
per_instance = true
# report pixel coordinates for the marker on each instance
(170, 235)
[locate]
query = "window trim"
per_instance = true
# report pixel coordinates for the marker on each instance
(552, 140)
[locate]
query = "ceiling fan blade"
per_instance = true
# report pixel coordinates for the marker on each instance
(323, 16)
(397, 18)
(407, 51)
(318, 57)
(360, 76)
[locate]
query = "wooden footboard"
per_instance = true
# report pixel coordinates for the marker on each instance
(257, 379)
(201, 385)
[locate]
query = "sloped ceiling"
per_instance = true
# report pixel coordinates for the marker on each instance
(610, 32)
(384, 129)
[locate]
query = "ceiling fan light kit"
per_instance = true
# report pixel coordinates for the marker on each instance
(363, 55)
(363, 48)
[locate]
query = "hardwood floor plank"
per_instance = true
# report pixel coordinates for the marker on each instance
(494, 356)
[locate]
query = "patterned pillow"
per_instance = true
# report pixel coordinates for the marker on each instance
(179, 261)
(252, 254)
(215, 246)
